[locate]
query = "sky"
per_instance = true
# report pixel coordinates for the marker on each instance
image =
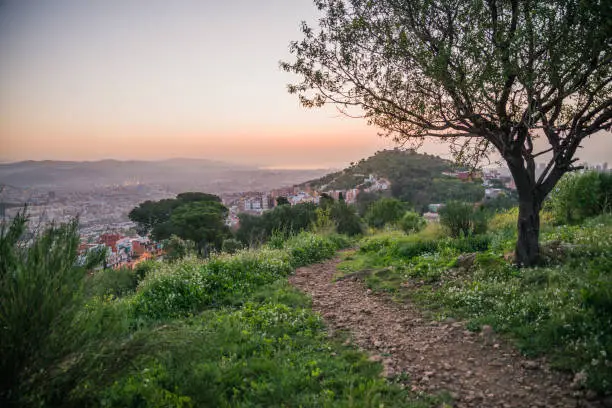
(150, 79)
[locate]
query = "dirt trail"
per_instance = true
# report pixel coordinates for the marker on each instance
(478, 370)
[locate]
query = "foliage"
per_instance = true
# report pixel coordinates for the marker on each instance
(202, 222)
(308, 248)
(231, 246)
(282, 201)
(346, 219)
(364, 200)
(177, 248)
(412, 222)
(194, 216)
(415, 178)
(462, 219)
(323, 224)
(269, 353)
(192, 284)
(114, 282)
(289, 219)
(385, 211)
(41, 290)
(484, 77)
(503, 202)
(578, 196)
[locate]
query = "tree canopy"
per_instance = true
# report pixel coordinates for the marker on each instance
(194, 216)
(526, 78)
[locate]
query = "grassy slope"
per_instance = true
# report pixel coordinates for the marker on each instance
(561, 310)
(229, 332)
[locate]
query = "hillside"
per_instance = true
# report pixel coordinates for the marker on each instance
(415, 178)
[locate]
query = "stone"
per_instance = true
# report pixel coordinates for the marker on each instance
(579, 380)
(530, 365)
(590, 395)
(466, 261)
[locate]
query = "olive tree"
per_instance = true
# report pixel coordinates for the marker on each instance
(528, 79)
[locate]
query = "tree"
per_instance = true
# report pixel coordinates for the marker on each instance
(202, 222)
(193, 216)
(281, 200)
(326, 201)
(364, 200)
(484, 75)
(150, 214)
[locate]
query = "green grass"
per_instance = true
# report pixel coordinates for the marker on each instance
(226, 332)
(561, 310)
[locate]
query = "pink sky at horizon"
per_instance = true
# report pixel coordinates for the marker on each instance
(91, 80)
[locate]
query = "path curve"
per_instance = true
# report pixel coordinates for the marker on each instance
(478, 370)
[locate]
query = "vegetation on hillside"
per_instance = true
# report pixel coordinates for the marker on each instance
(415, 178)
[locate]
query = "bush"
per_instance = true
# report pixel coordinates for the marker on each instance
(193, 285)
(412, 222)
(231, 246)
(581, 195)
(462, 219)
(307, 248)
(41, 291)
(177, 248)
(385, 211)
(346, 219)
(115, 282)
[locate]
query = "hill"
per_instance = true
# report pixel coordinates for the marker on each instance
(415, 178)
(176, 174)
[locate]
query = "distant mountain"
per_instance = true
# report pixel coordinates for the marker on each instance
(176, 174)
(415, 178)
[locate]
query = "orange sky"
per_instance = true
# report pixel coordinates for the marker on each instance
(89, 80)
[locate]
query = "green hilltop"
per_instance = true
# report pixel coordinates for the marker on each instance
(415, 178)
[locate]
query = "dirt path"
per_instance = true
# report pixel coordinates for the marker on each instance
(477, 369)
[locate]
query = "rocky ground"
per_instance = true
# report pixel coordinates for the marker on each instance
(477, 369)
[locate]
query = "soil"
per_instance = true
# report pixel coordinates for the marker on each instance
(477, 369)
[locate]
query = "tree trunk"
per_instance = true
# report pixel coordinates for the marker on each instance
(527, 245)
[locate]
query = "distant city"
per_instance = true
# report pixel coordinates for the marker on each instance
(103, 211)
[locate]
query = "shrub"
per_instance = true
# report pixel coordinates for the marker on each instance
(193, 285)
(41, 291)
(385, 211)
(177, 248)
(231, 246)
(412, 222)
(142, 269)
(346, 219)
(324, 223)
(116, 282)
(581, 195)
(462, 219)
(308, 248)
